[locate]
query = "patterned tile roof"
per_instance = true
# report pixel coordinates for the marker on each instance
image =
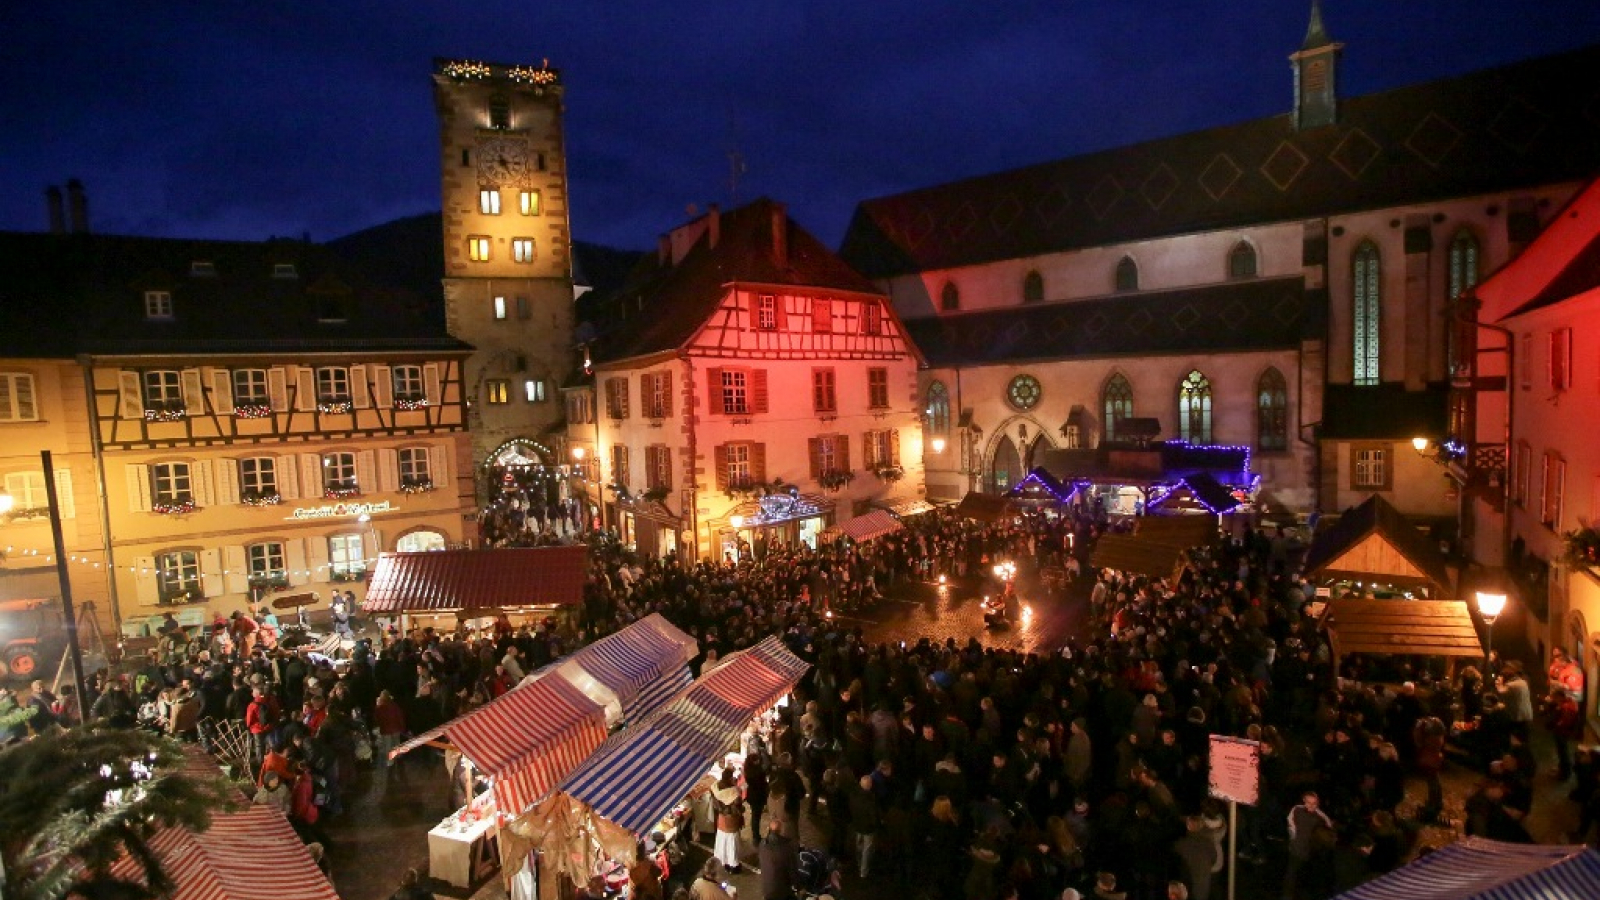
(1530, 123)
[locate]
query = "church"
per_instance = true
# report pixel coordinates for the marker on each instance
(1282, 288)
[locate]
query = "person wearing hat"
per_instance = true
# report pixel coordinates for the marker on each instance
(728, 803)
(709, 884)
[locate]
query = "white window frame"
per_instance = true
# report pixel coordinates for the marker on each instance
(533, 390)
(528, 203)
(258, 475)
(1371, 469)
(171, 482)
(735, 389)
(339, 471)
(522, 249)
(738, 457)
(333, 384)
(500, 309)
(177, 573)
(27, 490)
(489, 201)
(266, 559)
(19, 398)
(347, 555)
(407, 382)
(767, 312)
(250, 387)
(877, 450)
(163, 389)
(828, 453)
(416, 465)
(158, 306)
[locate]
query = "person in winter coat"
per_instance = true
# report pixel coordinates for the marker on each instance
(1429, 742)
(729, 805)
(1565, 721)
(390, 720)
(708, 886)
(780, 864)
(1080, 756)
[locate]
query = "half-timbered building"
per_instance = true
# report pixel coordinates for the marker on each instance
(238, 419)
(749, 389)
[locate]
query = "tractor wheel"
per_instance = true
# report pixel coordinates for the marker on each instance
(22, 662)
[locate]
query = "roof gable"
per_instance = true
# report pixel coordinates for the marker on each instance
(1376, 540)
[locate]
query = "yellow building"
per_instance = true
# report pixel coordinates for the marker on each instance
(233, 420)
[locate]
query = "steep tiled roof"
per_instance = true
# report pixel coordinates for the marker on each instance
(84, 293)
(1520, 125)
(1384, 412)
(663, 304)
(1270, 313)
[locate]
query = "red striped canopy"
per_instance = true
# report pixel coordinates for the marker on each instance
(451, 580)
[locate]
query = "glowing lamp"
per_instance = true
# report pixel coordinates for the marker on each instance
(7, 502)
(577, 453)
(938, 445)
(1420, 444)
(736, 521)
(941, 579)
(1491, 604)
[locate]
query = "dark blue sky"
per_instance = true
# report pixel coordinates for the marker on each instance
(244, 120)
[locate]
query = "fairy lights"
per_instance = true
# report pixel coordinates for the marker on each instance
(466, 68)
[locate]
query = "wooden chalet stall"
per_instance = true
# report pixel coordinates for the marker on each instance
(1374, 548)
(1405, 627)
(984, 507)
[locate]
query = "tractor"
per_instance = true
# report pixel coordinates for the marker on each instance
(31, 637)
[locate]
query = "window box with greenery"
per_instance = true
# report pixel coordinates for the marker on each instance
(176, 506)
(341, 490)
(260, 498)
(266, 582)
(165, 411)
(25, 513)
(889, 474)
(416, 485)
(410, 401)
(835, 479)
(252, 411)
(333, 406)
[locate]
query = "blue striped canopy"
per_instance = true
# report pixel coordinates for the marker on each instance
(1480, 869)
(633, 663)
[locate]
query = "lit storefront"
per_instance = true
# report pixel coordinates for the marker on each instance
(783, 519)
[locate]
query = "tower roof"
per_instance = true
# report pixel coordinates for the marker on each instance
(1316, 34)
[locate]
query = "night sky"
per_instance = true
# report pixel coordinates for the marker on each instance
(248, 120)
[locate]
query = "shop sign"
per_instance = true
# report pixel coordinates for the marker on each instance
(1235, 769)
(339, 510)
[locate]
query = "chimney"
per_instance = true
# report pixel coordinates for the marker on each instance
(714, 224)
(78, 207)
(58, 214)
(780, 236)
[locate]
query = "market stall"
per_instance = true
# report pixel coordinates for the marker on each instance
(905, 508)
(983, 507)
(1139, 556)
(1179, 531)
(1374, 549)
(1418, 627)
(526, 582)
(1476, 868)
(641, 779)
(865, 527)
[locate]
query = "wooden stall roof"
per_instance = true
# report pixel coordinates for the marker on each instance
(1180, 530)
(1129, 553)
(1424, 627)
(983, 507)
(1375, 542)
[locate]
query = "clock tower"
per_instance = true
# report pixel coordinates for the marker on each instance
(507, 253)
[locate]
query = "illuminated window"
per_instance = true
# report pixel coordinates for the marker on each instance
(162, 390)
(735, 392)
(821, 316)
(158, 305)
(171, 482)
(499, 307)
(1369, 469)
(522, 249)
(1272, 411)
(338, 471)
(533, 390)
(478, 248)
(1127, 278)
(27, 490)
(1242, 261)
(1116, 403)
(938, 408)
(16, 398)
(489, 201)
(333, 384)
(878, 388)
(824, 397)
(178, 576)
(950, 297)
(1366, 272)
(266, 561)
(528, 203)
(1194, 409)
(347, 559)
(497, 391)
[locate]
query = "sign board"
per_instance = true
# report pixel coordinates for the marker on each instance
(1325, 592)
(1235, 769)
(339, 510)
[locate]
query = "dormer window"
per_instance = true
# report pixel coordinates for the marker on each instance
(284, 270)
(499, 113)
(158, 306)
(203, 268)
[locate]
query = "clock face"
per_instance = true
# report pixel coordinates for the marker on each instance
(503, 162)
(1023, 392)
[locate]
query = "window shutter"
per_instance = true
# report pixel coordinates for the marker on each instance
(721, 460)
(622, 398)
(130, 395)
(194, 395)
(388, 470)
(894, 446)
(200, 481)
(139, 488)
(431, 384)
(841, 451)
(211, 583)
(228, 482)
(714, 383)
(144, 580)
(815, 447)
(286, 471)
(666, 394)
(360, 391)
(305, 389)
(64, 502)
(758, 463)
(278, 389)
(755, 311)
(317, 557)
(366, 470)
(221, 381)
(758, 390)
(382, 387)
(234, 566)
(868, 453)
(294, 559)
(311, 476)
(439, 465)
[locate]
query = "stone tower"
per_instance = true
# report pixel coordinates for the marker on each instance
(1316, 67)
(507, 253)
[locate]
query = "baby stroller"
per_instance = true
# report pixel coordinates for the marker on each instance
(819, 875)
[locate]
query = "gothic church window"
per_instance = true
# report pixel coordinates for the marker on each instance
(1366, 271)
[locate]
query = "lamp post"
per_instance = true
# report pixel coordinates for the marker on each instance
(1490, 604)
(69, 619)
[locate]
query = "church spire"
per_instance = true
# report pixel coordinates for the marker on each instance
(1316, 98)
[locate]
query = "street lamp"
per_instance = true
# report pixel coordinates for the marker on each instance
(1420, 444)
(938, 445)
(1490, 604)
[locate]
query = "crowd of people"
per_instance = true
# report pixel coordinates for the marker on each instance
(948, 768)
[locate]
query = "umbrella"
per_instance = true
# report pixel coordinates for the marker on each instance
(293, 601)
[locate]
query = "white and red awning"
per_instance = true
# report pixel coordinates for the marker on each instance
(454, 580)
(869, 525)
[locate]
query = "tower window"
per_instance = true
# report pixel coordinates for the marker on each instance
(1242, 261)
(1127, 275)
(489, 201)
(524, 309)
(529, 203)
(533, 389)
(499, 113)
(202, 268)
(1367, 302)
(499, 307)
(522, 249)
(478, 248)
(284, 270)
